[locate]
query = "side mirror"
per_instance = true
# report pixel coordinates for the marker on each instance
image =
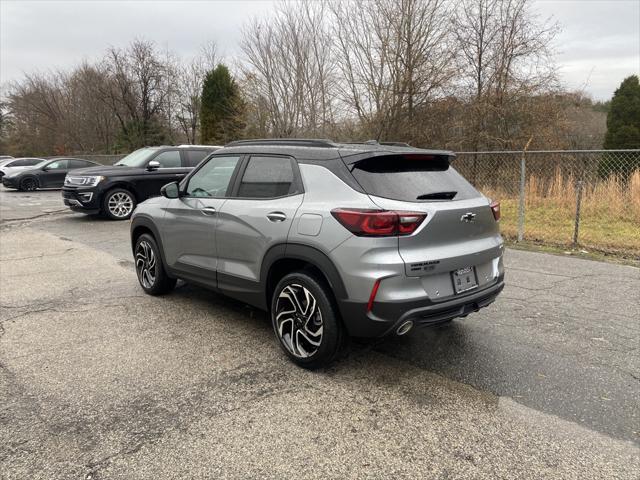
(170, 190)
(153, 165)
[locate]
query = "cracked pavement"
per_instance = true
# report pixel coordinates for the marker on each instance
(99, 381)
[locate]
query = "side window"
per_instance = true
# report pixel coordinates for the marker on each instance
(194, 157)
(58, 165)
(169, 159)
(25, 162)
(267, 177)
(212, 179)
(78, 164)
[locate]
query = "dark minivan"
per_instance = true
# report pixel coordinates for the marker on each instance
(114, 191)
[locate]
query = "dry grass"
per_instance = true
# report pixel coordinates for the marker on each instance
(609, 220)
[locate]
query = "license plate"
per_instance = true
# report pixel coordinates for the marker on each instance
(464, 279)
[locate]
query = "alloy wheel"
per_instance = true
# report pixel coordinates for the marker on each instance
(298, 321)
(29, 184)
(120, 205)
(146, 264)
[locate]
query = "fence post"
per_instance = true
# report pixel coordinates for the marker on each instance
(523, 167)
(576, 226)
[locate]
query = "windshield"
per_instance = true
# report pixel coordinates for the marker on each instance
(138, 158)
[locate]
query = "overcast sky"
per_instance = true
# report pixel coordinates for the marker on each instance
(599, 44)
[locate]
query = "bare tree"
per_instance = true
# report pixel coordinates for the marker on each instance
(395, 57)
(473, 74)
(290, 67)
(35, 108)
(190, 80)
(137, 90)
(505, 56)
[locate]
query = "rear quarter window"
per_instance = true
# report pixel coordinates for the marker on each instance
(412, 179)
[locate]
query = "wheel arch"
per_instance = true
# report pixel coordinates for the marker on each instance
(285, 258)
(141, 225)
(30, 176)
(121, 184)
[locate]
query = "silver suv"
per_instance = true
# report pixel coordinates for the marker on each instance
(334, 240)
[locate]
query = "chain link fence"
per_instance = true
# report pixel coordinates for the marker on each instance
(588, 199)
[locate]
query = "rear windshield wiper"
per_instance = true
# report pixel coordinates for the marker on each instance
(437, 196)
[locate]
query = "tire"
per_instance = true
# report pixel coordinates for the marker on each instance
(118, 204)
(28, 184)
(297, 330)
(149, 268)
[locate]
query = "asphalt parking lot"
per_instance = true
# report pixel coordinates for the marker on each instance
(98, 380)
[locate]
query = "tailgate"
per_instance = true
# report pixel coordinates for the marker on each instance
(455, 234)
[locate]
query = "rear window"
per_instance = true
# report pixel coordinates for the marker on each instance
(412, 179)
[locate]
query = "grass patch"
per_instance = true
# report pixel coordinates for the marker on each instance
(554, 225)
(609, 220)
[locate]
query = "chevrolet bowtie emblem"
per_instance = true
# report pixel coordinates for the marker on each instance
(468, 217)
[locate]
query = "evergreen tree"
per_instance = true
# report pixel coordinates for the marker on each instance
(623, 120)
(623, 127)
(222, 108)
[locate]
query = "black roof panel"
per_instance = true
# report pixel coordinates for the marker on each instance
(321, 149)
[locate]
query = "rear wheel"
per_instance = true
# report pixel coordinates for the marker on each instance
(28, 184)
(306, 321)
(118, 204)
(151, 274)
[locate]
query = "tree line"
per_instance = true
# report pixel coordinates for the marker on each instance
(464, 75)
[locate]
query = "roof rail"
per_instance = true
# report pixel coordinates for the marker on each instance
(292, 142)
(186, 145)
(376, 142)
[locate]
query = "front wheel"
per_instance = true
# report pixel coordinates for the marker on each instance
(151, 274)
(118, 204)
(28, 184)
(306, 321)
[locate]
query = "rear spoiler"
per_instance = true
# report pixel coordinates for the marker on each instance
(440, 156)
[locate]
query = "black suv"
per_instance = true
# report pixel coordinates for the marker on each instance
(114, 191)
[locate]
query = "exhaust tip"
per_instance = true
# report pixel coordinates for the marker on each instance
(404, 328)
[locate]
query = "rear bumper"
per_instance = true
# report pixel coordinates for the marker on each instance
(386, 317)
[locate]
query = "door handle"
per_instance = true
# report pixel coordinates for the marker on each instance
(276, 217)
(208, 211)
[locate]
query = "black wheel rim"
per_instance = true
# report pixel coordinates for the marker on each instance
(29, 184)
(146, 264)
(298, 321)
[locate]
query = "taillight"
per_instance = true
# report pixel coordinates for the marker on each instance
(378, 223)
(495, 208)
